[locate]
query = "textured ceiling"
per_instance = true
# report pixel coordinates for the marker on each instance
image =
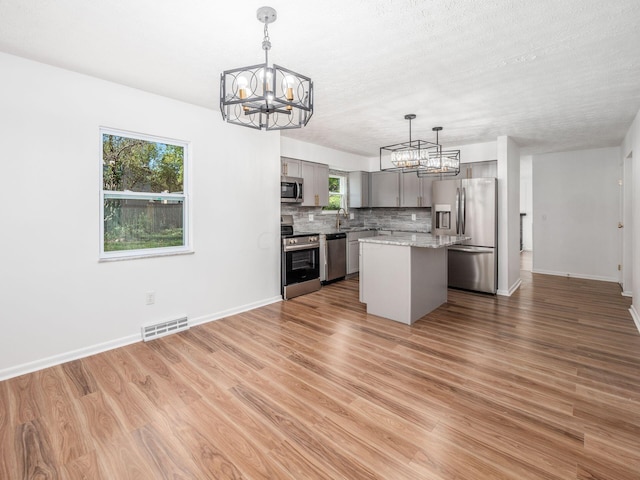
(554, 75)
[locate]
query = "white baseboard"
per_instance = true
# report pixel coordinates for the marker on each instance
(626, 293)
(576, 275)
(511, 290)
(232, 311)
(635, 316)
(53, 360)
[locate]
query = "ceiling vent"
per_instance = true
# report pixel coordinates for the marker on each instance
(157, 330)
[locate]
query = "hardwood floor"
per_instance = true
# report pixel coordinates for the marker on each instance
(542, 385)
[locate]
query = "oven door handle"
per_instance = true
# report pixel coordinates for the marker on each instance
(294, 248)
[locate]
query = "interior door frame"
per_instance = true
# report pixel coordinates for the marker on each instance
(626, 219)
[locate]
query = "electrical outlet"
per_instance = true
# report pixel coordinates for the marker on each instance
(413, 217)
(311, 217)
(150, 298)
(352, 216)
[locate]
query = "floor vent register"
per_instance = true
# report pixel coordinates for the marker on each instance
(157, 330)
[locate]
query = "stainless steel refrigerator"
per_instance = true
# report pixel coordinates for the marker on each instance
(469, 207)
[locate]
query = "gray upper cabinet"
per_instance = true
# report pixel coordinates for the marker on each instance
(410, 190)
(290, 167)
(385, 189)
(414, 191)
(316, 184)
(425, 200)
(358, 189)
(478, 170)
(483, 169)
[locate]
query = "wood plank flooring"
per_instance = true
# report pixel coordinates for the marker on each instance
(542, 385)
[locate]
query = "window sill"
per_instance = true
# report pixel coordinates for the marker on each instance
(332, 212)
(139, 256)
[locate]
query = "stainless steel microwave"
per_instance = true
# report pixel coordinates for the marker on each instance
(291, 190)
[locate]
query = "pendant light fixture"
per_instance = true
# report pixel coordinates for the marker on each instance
(419, 156)
(406, 156)
(263, 96)
(439, 161)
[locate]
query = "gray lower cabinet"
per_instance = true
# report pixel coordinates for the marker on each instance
(353, 249)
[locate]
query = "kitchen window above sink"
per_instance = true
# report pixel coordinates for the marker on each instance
(337, 193)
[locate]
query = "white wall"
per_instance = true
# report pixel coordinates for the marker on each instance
(508, 154)
(56, 300)
(310, 152)
(575, 205)
(526, 201)
(477, 152)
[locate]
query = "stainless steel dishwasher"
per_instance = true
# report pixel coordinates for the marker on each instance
(335, 256)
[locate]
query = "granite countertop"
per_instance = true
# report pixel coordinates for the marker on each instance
(325, 230)
(422, 240)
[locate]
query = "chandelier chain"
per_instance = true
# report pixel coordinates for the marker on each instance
(266, 41)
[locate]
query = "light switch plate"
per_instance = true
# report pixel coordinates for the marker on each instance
(311, 217)
(351, 216)
(413, 217)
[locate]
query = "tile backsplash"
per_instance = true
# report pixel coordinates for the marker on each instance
(382, 218)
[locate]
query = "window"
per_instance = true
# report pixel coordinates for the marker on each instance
(337, 193)
(143, 197)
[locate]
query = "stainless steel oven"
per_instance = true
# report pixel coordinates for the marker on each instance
(300, 260)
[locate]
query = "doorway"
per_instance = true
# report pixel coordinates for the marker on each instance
(625, 228)
(526, 213)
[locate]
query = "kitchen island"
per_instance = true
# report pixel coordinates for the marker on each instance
(404, 276)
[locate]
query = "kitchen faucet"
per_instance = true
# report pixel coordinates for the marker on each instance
(338, 217)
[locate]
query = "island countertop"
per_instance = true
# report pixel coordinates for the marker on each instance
(421, 240)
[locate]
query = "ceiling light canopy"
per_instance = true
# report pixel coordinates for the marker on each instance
(263, 96)
(420, 157)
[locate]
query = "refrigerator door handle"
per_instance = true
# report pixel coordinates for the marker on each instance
(457, 211)
(463, 203)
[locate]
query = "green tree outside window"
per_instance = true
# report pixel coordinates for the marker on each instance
(337, 188)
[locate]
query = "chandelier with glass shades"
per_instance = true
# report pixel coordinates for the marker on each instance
(419, 156)
(263, 96)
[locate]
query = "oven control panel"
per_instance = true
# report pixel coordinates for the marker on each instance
(309, 241)
(301, 240)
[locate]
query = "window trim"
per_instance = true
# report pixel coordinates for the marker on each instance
(187, 247)
(343, 193)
